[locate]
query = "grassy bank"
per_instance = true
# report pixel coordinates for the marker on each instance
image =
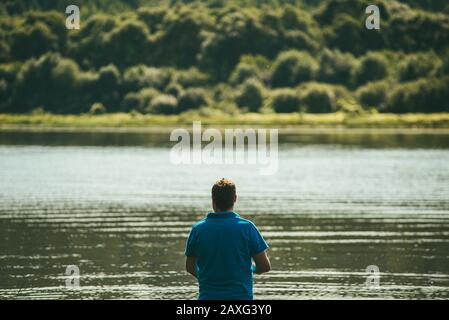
(124, 120)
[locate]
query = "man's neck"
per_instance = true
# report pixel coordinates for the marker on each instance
(228, 210)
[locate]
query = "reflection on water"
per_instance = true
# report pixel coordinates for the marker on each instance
(113, 205)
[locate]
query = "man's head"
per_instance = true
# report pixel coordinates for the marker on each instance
(223, 195)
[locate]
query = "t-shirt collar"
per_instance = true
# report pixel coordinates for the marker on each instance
(224, 214)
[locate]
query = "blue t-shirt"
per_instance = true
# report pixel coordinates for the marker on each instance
(223, 244)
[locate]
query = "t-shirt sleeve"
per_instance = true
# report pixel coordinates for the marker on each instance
(190, 244)
(257, 243)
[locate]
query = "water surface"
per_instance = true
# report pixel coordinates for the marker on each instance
(113, 204)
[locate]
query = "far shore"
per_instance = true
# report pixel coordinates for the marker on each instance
(338, 123)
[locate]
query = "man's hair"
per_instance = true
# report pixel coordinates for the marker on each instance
(223, 194)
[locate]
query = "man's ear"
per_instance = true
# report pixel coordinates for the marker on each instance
(235, 198)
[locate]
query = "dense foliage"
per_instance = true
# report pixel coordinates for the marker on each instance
(169, 57)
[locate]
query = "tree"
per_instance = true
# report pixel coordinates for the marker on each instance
(237, 33)
(108, 87)
(251, 95)
(373, 94)
(180, 42)
(54, 83)
(318, 99)
(336, 67)
(242, 72)
(423, 95)
(418, 66)
(164, 104)
(293, 67)
(372, 67)
(33, 41)
(192, 99)
(141, 76)
(285, 101)
(128, 44)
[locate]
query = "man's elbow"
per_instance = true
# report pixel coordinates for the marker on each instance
(263, 268)
(266, 269)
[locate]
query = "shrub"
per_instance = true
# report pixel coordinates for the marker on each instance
(424, 95)
(285, 101)
(174, 89)
(374, 94)
(192, 98)
(108, 86)
(97, 108)
(3, 95)
(293, 67)
(242, 72)
(164, 104)
(372, 67)
(191, 78)
(33, 41)
(336, 67)
(141, 76)
(318, 100)
(418, 66)
(139, 101)
(55, 83)
(109, 77)
(251, 95)
(445, 67)
(299, 40)
(152, 17)
(128, 44)
(223, 92)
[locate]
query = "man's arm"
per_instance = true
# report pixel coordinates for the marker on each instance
(191, 265)
(262, 263)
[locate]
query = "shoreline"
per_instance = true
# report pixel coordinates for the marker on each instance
(335, 123)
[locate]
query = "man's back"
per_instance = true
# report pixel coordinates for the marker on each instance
(223, 244)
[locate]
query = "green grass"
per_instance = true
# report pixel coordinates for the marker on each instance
(126, 120)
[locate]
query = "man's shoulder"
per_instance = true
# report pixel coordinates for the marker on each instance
(245, 221)
(198, 224)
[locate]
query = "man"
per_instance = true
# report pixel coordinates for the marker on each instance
(221, 247)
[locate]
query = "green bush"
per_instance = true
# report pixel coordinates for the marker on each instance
(54, 83)
(164, 104)
(374, 94)
(242, 72)
(107, 87)
(285, 101)
(336, 67)
(372, 67)
(424, 95)
(141, 76)
(139, 101)
(293, 67)
(445, 67)
(33, 41)
(97, 108)
(418, 66)
(128, 44)
(192, 98)
(174, 89)
(251, 95)
(152, 17)
(190, 78)
(318, 100)
(3, 95)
